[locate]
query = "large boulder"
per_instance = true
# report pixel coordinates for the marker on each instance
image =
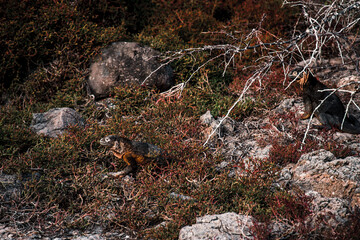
(127, 64)
(55, 121)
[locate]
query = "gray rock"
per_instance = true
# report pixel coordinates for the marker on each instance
(239, 140)
(127, 64)
(280, 230)
(222, 165)
(320, 171)
(10, 187)
(55, 121)
(227, 127)
(333, 184)
(285, 106)
(343, 137)
(181, 196)
(207, 118)
(328, 213)
(90, 237)
(349, 82)
(227, 226)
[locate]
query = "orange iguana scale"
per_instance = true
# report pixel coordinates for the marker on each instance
(132, 152)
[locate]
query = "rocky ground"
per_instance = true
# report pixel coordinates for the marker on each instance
(332, 183)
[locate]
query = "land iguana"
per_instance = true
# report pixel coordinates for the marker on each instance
(331, 112)
(132, 152)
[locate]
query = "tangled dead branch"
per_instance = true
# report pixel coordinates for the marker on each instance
(320, 27)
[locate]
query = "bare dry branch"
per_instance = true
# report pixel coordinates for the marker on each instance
(325, 25)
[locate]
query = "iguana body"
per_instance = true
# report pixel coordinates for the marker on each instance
(132, 152)
(330, 112)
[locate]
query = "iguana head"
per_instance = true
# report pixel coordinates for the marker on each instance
(116, 143)
(301, 75)
(109, 141)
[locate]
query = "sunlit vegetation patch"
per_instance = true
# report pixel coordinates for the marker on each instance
(66, 174)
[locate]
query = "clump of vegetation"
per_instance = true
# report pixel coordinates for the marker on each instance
(68, 176)
(287, 150)
(48, 48)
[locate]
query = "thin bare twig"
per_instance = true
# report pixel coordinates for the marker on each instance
(325, 24)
